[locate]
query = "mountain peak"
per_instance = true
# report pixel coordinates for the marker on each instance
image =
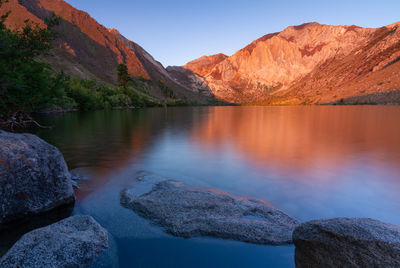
(204, 65)
(396, 24)
(211, 57)
(114, 31)
(297, 29)
(305, 25)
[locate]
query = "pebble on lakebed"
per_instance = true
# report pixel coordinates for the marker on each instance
(186, 211)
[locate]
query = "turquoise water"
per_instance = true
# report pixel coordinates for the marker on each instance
(310, 162)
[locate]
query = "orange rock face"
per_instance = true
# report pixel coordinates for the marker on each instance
(87, 49)
(205, 64)
(18, 15)
(306, 64)
(310, 63)
(91, 44)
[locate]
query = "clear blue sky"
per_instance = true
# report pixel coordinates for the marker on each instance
(177, 31)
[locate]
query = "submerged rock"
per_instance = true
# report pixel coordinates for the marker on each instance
(75, 185)
(34, 177)
(108, 258)
(191, 212)
(347, 242)
(74, 242)
(77, 175)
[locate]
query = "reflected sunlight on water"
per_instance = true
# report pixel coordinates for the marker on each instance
(310, 162)
(304, 138)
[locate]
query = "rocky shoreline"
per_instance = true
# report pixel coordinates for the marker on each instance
(34, 180)
(73, 242)
(345, 242)
(35, 183)
(34, 177)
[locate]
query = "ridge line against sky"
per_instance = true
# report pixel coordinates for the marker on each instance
(177, 31)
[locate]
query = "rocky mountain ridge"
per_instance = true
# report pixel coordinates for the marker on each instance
(87, 49)
(307, 64)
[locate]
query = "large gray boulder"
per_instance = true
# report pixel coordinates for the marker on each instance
(74, 242)
(347, 242)
(34, 177)
(191, 212)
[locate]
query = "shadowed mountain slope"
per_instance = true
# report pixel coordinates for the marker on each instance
(87, 49)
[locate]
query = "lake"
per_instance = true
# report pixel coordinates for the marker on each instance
(311, 162)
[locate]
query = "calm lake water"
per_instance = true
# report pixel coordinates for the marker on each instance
(310, 162)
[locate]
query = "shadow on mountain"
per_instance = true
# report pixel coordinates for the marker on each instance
(76, 52)
(87, 49)
(189, 79)
(380, 98)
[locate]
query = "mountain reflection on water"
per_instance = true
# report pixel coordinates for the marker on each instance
(310, 162)
(304, 138)
(304, 145)
(300, 143)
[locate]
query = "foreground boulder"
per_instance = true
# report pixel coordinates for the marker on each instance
(74, 242)
(190, 212)
(347, 242)
(33, 177)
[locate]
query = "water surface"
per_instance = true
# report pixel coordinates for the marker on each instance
(310, 162)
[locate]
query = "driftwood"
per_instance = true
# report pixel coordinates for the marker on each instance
(19, 120)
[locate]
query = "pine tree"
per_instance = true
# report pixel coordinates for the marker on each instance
(123, 76)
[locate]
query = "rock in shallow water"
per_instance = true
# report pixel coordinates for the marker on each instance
(34, 177)
(191, 212)
(74, 242)
(77, 175)
(347, 242)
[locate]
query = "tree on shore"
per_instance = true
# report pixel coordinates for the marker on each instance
(25, 83)
(28, 85)
(123, 76)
